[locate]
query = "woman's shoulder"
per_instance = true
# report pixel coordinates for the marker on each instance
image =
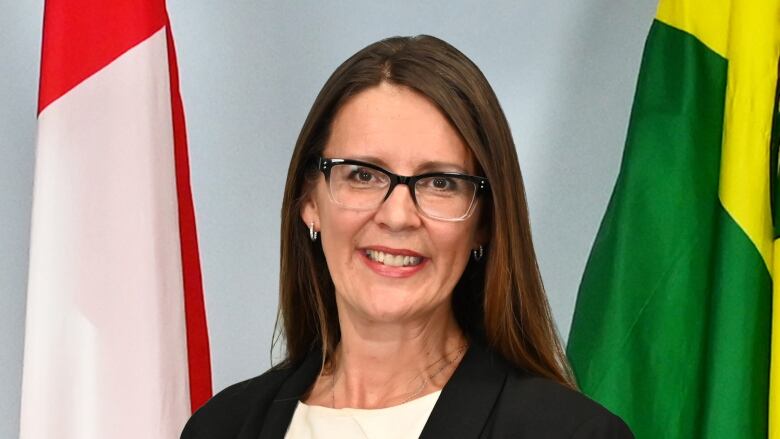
(228, 412)
(540, 405)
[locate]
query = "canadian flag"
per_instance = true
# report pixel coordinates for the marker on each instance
(116, 343)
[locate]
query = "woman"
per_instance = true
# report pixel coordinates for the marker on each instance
(411, 302)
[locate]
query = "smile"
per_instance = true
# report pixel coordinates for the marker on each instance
(393, 260)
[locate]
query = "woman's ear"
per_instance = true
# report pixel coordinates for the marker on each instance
(310, 213)
(482, 234)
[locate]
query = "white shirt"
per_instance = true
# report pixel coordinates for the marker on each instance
(398, 422)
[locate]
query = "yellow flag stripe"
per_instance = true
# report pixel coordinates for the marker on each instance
(753, 51)
(745, 33)
(707, 20)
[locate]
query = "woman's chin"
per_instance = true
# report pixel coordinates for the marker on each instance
(391, 306)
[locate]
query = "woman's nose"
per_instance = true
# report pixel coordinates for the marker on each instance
(398, 211)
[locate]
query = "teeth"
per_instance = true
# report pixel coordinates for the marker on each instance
(393, 260)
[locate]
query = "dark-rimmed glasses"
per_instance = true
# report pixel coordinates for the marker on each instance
(356, 185)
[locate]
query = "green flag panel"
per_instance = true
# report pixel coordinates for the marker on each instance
(672, 318)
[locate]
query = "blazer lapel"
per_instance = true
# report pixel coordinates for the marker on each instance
(466, 401)
(279, 415)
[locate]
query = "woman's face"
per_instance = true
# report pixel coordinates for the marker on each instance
(402, 131)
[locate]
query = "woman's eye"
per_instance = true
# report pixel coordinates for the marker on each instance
(360, 174)
(364, 175)
(443, 184)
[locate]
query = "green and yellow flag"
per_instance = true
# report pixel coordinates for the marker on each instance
(674, 319)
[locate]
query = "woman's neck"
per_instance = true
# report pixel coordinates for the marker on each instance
(381, 365)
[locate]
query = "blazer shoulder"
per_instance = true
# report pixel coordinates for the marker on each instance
(539, 405)
(227, 412)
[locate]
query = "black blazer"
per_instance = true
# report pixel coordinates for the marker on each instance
(484, 398)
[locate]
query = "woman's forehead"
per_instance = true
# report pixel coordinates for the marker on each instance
(396, 126)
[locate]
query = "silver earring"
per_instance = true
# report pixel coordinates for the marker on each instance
(477, 253)
(313, 233)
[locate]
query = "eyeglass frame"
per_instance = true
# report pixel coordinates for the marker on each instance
(324, 165)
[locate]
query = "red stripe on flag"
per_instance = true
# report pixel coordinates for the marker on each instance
(197, 333)
(81, 37)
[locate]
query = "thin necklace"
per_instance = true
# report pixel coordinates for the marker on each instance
(423, 382)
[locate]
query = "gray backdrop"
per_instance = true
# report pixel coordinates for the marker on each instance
(564, 72)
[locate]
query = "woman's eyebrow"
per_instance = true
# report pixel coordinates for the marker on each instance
(368, 159)
(441, 166)
(428, 166)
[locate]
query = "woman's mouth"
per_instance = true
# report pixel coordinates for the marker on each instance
(392, 263)
(393, 260)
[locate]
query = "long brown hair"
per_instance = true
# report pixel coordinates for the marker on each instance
(500, 299)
